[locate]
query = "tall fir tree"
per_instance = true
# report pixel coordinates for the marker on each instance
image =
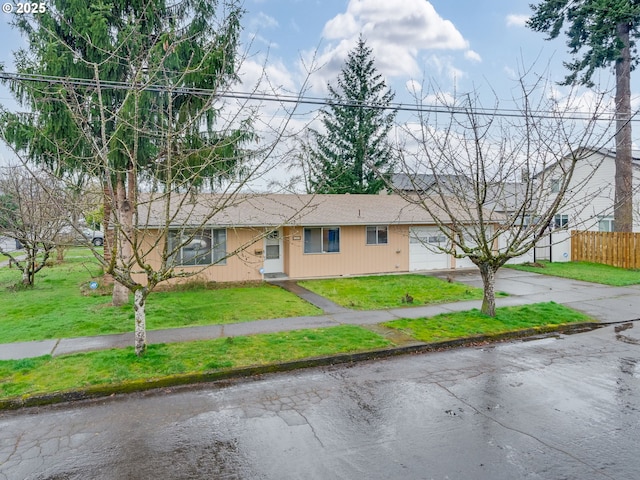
(601, 33)
(352, 154)
(126, 90)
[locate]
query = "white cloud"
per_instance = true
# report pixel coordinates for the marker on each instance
(260, 23)
(442, 66)
(473, 56)
(396, 32)
(263, 21)
(440, 99)
(413, 87)
(270, 77)
(517, 20)
(510, 72)
(398, 22)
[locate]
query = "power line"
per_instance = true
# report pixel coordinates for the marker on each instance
(300, 99)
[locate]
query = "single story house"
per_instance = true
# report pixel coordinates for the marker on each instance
(248, 237)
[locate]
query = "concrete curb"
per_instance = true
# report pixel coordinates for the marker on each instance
(189, 380)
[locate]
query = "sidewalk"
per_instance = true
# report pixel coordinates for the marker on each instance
(603, 303)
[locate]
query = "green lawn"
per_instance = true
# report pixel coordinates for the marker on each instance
(586, 271)
(451, 326)
(120, 366)
(61, 305)
(388, 291)
(120, 370)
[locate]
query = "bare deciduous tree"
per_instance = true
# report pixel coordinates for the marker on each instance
(171, 131)
(32, 214)
(489, 174)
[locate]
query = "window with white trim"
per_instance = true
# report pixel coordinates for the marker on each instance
(198, 247)
(560, 221)
(377, 235)
(605, 224)
(272, 248)
(321, 240)
(555, 185)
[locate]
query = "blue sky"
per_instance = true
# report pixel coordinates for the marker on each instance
(461, 44)
(458, 45)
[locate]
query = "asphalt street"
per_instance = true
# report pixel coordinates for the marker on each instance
(556, 408)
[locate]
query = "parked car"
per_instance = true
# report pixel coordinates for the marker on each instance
(72, 236)
(96, 237)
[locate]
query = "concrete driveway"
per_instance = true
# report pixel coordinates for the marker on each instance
(604, 303)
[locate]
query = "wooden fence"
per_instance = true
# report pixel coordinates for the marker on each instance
(611, 248)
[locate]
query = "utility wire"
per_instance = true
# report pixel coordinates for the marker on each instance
(300, 99)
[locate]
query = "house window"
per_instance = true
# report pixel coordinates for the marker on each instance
(555, 185)
(437, 239)
(198, 247)
(528, 220)
(322, 240)
(272, 249)
(377, 235)
(605, 224)
(560, 221)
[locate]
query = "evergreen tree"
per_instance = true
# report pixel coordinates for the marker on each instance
(601, 33)
(353, 155)
(127, 91)
(92, 52)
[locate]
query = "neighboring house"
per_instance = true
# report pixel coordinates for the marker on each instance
(587, 204)
(504, 198)
(301, 236)
(589, 200)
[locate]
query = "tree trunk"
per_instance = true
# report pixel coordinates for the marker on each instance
(623, 204)
(488, 274)
(109, 238)
(29, 268)
(120, 295)
(26, 278)
(140, 341)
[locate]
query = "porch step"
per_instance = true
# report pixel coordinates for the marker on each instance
(275, 276)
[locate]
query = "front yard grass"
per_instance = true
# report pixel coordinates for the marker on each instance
(120, 370)
(585, 271)
(60, 305)
(389, 291)
(450, 326)
(118, 366)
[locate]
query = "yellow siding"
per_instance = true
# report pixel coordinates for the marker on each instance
(245, 266)
(355, 257)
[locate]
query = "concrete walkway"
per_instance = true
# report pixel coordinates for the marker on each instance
(603, 303)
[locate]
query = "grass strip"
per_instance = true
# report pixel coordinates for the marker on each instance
(116, 367)
(585, 271)
(60, 305)
(390, 291)
(450, 326)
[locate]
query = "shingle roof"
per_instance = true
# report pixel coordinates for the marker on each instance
(287, 209)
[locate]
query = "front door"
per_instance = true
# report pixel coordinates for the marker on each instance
(273, 261)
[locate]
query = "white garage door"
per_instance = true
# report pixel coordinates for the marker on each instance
(465, 262)
(422, 254)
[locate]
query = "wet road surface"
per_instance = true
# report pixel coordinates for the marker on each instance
(558, 408)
